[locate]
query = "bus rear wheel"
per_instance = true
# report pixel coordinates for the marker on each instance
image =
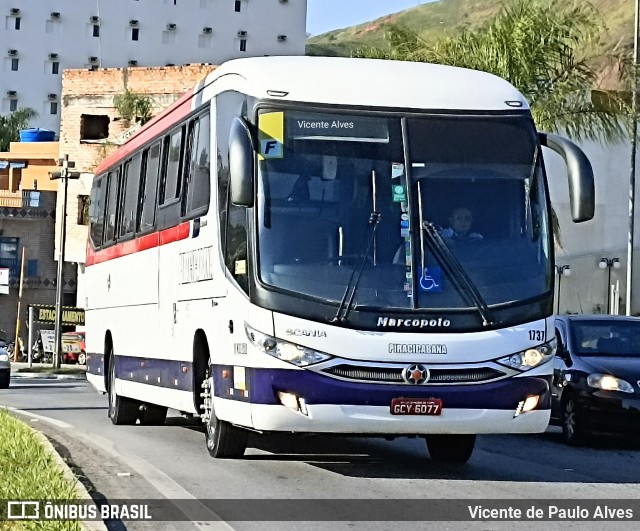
(224, 440)
(122, 410)
(450, 448)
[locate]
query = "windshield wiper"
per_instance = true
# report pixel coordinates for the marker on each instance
(356, 273)
(456, 271)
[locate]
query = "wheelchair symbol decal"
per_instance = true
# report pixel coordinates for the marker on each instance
(431, 279)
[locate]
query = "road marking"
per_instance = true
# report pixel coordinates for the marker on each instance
(169, 488)
(55, 422)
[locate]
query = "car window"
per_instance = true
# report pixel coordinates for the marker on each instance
(606, 338)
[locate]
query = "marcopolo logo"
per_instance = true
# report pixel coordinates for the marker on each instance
(386, 322)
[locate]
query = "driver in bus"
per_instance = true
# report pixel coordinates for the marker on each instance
(459, 227)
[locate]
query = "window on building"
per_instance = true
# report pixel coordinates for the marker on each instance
(94, 127)
(13, 105)
(53, 107)
(55, 67)
(135, 34)
(9, 254)
(83, 210)
(96, 30)
(17, 23)
(32, 268)
(238, 6)
(205, 41)
(168, 37)
(243, 45)
(14, 64)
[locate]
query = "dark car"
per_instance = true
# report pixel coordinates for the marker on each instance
(5, 366)
(596, 376)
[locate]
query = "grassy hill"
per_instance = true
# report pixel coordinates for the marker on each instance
(445, 17)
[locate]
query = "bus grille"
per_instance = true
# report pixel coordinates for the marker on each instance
(394, 374)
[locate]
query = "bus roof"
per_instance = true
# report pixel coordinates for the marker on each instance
(373, 82)
(342, 81)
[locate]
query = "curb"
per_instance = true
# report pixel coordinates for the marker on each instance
(89, 525)
(48, 376)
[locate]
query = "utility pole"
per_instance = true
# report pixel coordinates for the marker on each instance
(632, 177)
(65, 175)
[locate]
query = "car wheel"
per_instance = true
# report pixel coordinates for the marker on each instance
(450, 448)
(82, 358)
(572, 430)
(122, 410)
(5, 379)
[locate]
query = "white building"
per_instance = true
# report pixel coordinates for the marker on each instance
(40, 38)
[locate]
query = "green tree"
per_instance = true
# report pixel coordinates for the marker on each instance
(547, 53)
(11, 124)
(133, 106)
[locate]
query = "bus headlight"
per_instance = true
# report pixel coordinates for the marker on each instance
(4, 356)
(284, 350)
(530, 358)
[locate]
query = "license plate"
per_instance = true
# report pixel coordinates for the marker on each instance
(416, 406)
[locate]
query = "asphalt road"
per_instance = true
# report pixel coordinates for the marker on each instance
(327, 473)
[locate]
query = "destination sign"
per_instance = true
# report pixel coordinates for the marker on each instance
(319, 126)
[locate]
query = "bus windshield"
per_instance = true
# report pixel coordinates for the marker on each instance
(349, 199)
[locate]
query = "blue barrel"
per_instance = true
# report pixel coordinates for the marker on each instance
(37, 134)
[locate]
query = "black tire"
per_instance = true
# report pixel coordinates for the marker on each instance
(82, 358)
(5, 379)
(224, 440)
(450, 448)
(122, 410)
(572, 430)
(152, 415)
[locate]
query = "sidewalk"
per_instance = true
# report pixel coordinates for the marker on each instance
(21, 369)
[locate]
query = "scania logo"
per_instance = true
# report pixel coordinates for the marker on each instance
(301, 332)
(416, 374)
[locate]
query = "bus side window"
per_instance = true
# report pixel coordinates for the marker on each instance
(129, 201)
(112, 206)
(197, 168)
(172, 166)
(149, 188)
(96, 211)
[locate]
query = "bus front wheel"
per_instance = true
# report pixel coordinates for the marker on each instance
(224, 440)
(122, 410)
(450, 448)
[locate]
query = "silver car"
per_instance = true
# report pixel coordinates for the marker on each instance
(5, 367)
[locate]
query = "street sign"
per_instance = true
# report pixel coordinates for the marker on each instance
(47, 314)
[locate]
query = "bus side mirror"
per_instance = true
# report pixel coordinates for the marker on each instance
(582, 194)
(241, 157)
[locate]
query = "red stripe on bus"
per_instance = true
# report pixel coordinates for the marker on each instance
(166, 118)
(143, 243)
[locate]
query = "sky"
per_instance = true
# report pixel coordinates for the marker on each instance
(327, 15)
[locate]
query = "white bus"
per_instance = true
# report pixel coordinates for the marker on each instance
(268, 254)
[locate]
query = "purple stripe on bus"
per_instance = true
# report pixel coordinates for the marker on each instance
(262, 386)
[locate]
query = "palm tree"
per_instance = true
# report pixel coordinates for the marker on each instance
(544, 52)
(11, 124)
